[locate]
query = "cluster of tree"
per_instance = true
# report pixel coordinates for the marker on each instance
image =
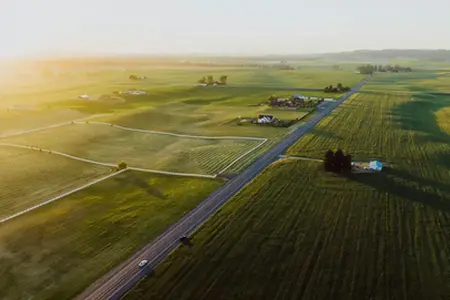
(370, 69)
(135, 77)
(209, 80)
(294, 102)
(392, 68)
(336, 89)
(337, 161)
(281, 66)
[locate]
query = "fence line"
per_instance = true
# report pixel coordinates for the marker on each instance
(60, 196)
(175, 134)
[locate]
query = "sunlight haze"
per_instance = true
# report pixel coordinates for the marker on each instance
(48, 27)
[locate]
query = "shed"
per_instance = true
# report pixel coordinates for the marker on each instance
(375, 165)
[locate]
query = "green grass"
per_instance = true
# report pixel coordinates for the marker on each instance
(65, 84)
(143, 150)
(207, 119)
(420, 81)
(29, 178)
(58, 250)
(17, 120)
(297, 232)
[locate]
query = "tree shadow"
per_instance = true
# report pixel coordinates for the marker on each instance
(406, 185)
(419, 115)
(132, 179)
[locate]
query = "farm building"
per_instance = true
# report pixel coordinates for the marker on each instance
(84, 97)
(265, 119)
(375, 165)
(298, 97)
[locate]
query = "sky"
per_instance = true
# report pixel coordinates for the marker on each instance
(71, 27)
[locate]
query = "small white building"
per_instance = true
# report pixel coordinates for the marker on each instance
(265, 119)
(84, 97)
(375, 165)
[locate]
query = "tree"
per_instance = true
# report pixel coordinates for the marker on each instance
(122, 165)
(339, 160)
(210, 79)
(202, 80)
(133, 77)
(223, 79)
(347, 167)
(339, 86)
(329, 160)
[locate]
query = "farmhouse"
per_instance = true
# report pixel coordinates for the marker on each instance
(265, 119)
(298, 97)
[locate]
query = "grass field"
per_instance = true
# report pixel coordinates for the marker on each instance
(143, 150)
(207, 119)
(29, 178)
(420, 81)
(297, 232)
(18, 120)
(50, 86)
(58, 250)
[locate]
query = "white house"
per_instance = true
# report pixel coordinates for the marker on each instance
(265, 119)
(299, 97)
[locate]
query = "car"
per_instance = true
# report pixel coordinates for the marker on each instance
(143, 263)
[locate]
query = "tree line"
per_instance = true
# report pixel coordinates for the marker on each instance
(337, 161)
(370, 69)
(339, 88)
(209, 80)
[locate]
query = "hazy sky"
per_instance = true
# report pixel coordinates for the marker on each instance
(36, 27)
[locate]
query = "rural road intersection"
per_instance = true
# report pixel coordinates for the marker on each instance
(122, 278)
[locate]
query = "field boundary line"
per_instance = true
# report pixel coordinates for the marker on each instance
(3, 136)
(242, 156)
(106, 164)
(245, 138)
(60, 196)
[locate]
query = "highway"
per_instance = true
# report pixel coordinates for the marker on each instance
(122, 278)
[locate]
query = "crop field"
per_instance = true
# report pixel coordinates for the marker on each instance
(33, 87)
(108, 144)
(297, 232)
(420, 81)
(61, 248)
(15, 121)
(374, 126)
(30, 177)
(208, 119)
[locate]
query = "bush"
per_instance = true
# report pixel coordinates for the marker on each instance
(122, 165)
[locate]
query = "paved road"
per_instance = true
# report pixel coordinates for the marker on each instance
(119, 280)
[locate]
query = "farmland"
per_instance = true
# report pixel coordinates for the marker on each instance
(108, 144)
(421, 81)
(56, 251)
(31, 177)
(297, 232)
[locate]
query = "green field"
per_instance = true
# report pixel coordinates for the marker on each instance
(65, 84)
(108, 144)
(58, 250)
(297, 232)
(29, 178)
(18, 120)
(419, 81)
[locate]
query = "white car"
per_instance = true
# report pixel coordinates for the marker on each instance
(143, 263)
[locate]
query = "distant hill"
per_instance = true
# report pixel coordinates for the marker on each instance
(388, 55)
(381, 56)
